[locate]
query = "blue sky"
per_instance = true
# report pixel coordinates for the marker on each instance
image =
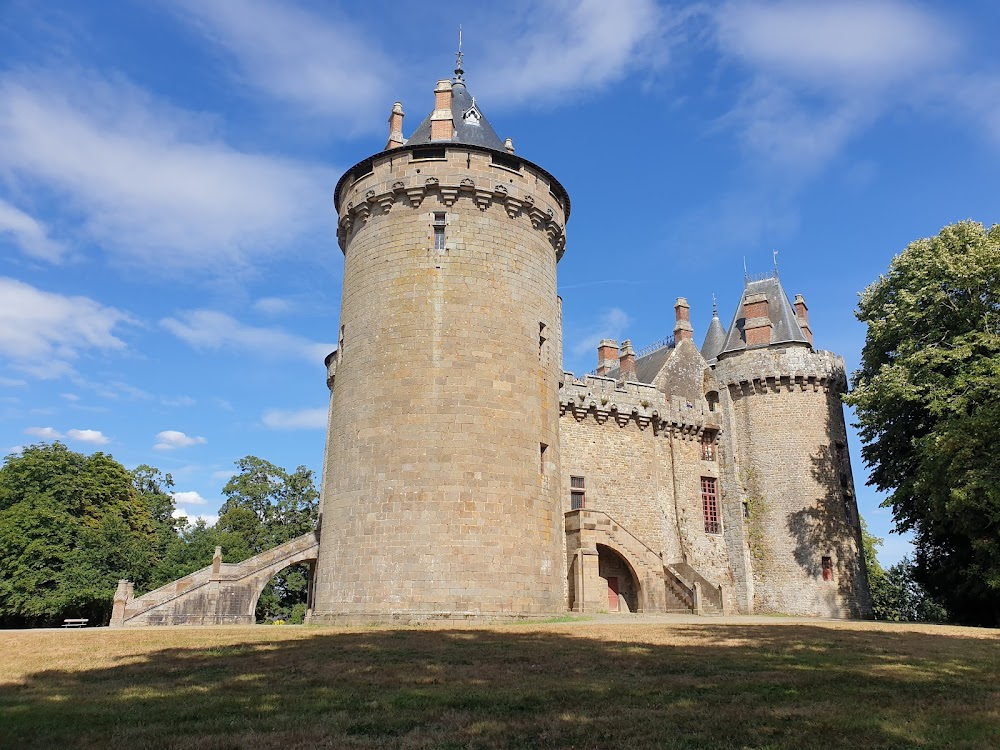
(169, 274)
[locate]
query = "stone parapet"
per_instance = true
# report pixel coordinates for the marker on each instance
(640, 403)
(795, 368)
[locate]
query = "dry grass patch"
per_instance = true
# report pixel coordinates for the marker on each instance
(583, 685)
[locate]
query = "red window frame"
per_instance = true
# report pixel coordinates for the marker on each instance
(710, 506)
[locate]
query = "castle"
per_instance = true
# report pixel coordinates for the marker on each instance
(467, 475)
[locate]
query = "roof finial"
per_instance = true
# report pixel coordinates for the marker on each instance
(458, 57)
(775, 263)
(746, 276)
(715, 307)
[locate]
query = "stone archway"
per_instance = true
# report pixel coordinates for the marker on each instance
(625, 593)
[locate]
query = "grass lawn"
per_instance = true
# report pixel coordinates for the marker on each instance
(592, 684)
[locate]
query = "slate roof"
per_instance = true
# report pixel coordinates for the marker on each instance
(648, 366)
(470, 129)
(715, 339)
(784, 327)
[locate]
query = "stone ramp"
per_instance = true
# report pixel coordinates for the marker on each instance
(220, 594)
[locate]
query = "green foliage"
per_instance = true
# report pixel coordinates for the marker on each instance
(928, 412)
(70, 527)
(896, 594)
(267, 506)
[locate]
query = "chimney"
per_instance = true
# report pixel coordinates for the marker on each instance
(683, 331)
(395, 127)
(626, 365)
(509, 146)
(802, 317)
(757, 323)
(442, 122)
(607, 356)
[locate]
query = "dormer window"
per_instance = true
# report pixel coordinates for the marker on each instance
(472, 114)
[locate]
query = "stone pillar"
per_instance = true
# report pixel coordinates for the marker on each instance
(123, 595)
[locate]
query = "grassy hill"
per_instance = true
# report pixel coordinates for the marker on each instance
(589, 684)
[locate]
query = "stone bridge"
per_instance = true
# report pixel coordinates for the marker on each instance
(221, 594)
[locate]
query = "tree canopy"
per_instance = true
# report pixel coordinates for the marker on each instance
(927, 398)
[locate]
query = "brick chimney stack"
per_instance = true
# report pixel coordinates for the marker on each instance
(802, 316)
(395, 127)
(757, 325)
(442, 122)
(607, 356)
(683, 331)
(626, 363)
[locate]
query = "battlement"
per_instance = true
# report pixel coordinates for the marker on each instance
(606, 398)
(788, 369)
(407, 176)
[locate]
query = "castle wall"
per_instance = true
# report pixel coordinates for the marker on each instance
(787, 420)
(437, 498)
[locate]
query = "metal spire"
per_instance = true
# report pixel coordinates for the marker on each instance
(775, 263)
(458, 57)
(715, 307)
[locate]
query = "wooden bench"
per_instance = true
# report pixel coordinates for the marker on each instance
(78, 622)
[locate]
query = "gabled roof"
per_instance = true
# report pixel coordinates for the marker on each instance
(784, 327)
(471, 126)
(715, 338)
(648, 366)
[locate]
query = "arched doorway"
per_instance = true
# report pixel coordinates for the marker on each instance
(284, 596)
(624, 593)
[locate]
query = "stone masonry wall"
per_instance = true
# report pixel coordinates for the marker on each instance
(438, 499)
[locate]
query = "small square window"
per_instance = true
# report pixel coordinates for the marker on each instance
(827, 569)
(708, 445)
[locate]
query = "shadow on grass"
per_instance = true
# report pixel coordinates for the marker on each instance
(704, 686)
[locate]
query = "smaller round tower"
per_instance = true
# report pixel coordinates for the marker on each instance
(790, 441)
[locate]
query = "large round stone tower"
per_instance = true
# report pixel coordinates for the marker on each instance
(790, 444)
(441, 492)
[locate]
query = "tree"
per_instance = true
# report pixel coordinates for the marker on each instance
(926, 398)
(267, 506)
(70, 527)
(896, 596)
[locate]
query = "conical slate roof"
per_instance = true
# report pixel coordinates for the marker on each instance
(471, 126)
(715, 339)
(784, 327)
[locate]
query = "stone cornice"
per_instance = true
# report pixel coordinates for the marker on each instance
(782, 370)
(411, 193)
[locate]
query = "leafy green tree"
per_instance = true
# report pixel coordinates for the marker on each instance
(896, 595)
(267, 506)
(70, 527)
(926, 398)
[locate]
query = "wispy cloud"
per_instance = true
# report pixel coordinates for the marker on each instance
(45, 433)
(30, 235)
(610, 325)
(572, 46)
(272, 305)
(332, 68)
(302, 419)
(43, 332)
(169, 440)
(209, 329)
(153, 183)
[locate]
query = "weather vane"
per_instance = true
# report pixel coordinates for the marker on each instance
(458, 56)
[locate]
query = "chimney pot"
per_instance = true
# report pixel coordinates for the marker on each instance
(395, 127)
(683, 330)
(626, 363)
(607, 356)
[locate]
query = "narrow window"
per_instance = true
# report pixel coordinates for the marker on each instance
(710, 506)
(439, 222)
(708, 445)
(577, 493)
(827, 569)
(542, 448)
(340, 345)
(542, 338)
(746, 509)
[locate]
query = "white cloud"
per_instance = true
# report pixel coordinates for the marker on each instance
(152, 182)
(189, 498)
(303, 419)
(43, 332)
(168, 440)
(28, 233)
(96, 437)
(610, 325)
(194, 517)
(15, 449)
(45, 433)
(853, 44)
(321, 64)
(209, 329)
(272, 305)
(569, 46)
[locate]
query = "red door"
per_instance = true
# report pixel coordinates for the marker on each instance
(612, 593)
